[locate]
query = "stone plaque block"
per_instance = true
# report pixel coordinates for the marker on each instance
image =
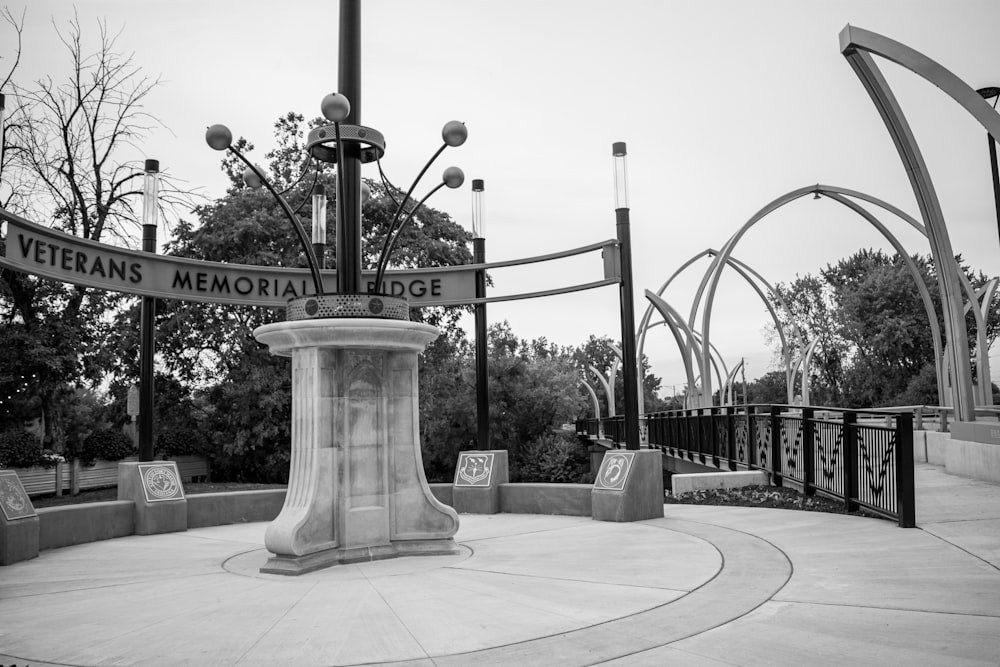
(478, 477)
(160, 482)
(158, 494)
(629, 486)
(18, 521)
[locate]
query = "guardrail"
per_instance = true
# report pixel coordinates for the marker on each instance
(927, 416)
(863, 457)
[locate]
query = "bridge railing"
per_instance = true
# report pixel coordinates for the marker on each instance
(863, 457)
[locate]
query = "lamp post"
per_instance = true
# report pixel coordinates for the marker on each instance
(629, 375)
(987, 93)
(147, 317)
(482, 359)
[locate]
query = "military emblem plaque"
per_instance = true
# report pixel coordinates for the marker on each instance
(474, 469)
(14, 501)
(160, 481)
(614, 471)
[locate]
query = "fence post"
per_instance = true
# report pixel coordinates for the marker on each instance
(808, 452)
(74, 477)
(775, 417)
(905, 497)
(918, 418)
(731, 436)
(850, 442)
(714, 442)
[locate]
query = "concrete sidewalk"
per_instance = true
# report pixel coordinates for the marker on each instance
(702, 586)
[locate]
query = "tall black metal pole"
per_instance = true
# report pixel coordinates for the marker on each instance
(147, 324)
(629, 378)
(349, 84)
(629, 366)
(482, 357)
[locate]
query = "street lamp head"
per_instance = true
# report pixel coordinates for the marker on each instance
(219, 137)
(366, 193)
(453, 177)
(454, 133)
(619, 156)
(989, 91)
(478, 208)
(335, 107)
(252, 179)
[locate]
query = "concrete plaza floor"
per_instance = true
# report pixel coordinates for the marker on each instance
(702, 586)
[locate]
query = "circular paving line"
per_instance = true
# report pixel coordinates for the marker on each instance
(753, 571)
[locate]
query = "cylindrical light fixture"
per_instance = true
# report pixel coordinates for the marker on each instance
(621, 174)
(478, 209)
(150, 192)
(319, 214)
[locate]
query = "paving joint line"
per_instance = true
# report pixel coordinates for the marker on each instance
(976, 556)
(579, 581)
(274, 624)
(879, 607)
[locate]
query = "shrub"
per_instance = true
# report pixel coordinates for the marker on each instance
(554, 457)
(181, 442)
(106, 445)
(20, 449)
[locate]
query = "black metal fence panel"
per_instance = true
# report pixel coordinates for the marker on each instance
(863, 457)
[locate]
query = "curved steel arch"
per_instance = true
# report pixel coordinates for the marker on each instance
(856, 44)
(677, 327)
(731, 380)
(715, 357)
(593, 398)
(743, 269)
(608, 391)
(709, 283)
(918, 280)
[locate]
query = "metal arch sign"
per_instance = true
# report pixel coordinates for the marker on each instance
(42, 251)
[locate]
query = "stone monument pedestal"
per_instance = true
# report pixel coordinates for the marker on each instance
(156, 489)
(629, 486)
(19, 524)
(478, 477)
(356, 490)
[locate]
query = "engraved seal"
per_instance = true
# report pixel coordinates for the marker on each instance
(161, 482)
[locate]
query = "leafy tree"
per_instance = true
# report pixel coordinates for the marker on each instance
(533, 390)
(69, 160)
(875, 345)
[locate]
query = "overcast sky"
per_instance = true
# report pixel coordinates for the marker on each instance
(724, 105)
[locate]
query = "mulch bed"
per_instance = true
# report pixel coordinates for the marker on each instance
(777, 497)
